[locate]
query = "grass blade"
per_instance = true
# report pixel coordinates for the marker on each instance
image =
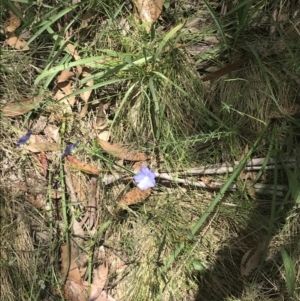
(289, 271)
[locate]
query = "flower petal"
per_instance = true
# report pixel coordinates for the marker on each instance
(69, 149)
(24, 138)
(145, 178)
(145, 184)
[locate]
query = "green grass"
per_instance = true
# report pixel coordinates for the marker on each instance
(183, 243)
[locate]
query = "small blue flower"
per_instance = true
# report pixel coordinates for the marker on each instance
(69, 149)
(145, 178)
(24, 139)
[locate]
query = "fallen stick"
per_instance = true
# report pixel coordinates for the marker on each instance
(252, 165)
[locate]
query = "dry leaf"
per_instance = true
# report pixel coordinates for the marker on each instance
(84, 167)
(13, 22)
(38, 202)
(99, 276)
(207, 181)
(15, 42)
(73, 273)
(85, 19)
(104, 297)
(63, 83)
(149, 10)
(39, 125)
(121, 153)
(251, 260)
(73, 51)
(44, 163)
(20, 108)
(66, 88)
(79, 185)
(86, 95)
(75, 55)
(74, 291)
(77, 229)
(104, 135)
(42, 147)
(134, 196)
(52, 132)
(65, 75)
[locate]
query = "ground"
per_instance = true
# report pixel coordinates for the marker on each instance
(150, 150)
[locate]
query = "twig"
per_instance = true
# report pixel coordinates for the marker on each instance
(252, 165)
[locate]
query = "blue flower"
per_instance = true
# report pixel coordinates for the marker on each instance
(24, 139)
(145, 178)
(69, 149)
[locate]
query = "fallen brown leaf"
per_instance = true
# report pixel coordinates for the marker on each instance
(134, 196)
(84, 167)
(121, 153)
(15, 109)
(41, 147)
(15, 42)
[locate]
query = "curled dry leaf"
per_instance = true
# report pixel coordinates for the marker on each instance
(84, 167)
(42, 147)
(134, 196)
(15, 42)
(121, 153)
(15, 109)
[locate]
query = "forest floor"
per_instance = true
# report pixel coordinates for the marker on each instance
(150, 150)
